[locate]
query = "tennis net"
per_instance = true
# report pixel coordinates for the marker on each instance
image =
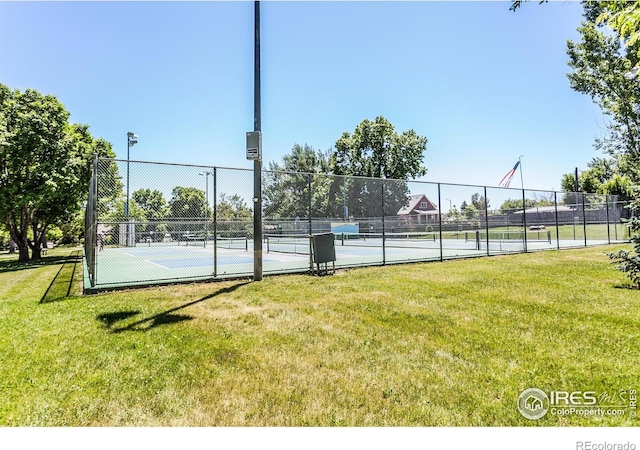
(411, 240)
(233, 243)
(299, 244)
(514, 236)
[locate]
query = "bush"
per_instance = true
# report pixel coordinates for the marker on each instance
(629, 261)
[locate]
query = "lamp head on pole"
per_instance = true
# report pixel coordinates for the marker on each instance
(132, 138)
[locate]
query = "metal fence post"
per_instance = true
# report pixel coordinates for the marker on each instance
(94, 217)
(310, 204)
(486, 216)
(524, 220)
(606, 202)
(555, 204)
(215, 222)
(384, 249)
(616, 217)
(584, 220)
(440, 221)
(310, 207)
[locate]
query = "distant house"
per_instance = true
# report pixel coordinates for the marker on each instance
(419, 209)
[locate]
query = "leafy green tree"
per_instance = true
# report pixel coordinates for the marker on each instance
(287, 186)
(602, 177)
(587, 182)
(154, 207)
(375, 149)
(476, 208)
(187, 203)
(304, 158)
(624, 19)
(4, 236)
(116, 213)
(454, 214)
(151, 202)
(618, 185)
(471, 212)
(71, 229)
(233, 207)
(111, 192)
(629, 261)
(233, 216)
(481, 204)
(45, 165)
(600, 69)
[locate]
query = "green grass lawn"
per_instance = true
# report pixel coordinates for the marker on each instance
(443, 343)
(614, 232)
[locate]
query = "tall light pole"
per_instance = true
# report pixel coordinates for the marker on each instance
(450, 207)
(206, 174)
(257, 163)
(132, 139)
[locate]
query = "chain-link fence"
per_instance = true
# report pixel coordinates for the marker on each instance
(156, 223)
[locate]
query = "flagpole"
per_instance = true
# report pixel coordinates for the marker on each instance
(520, 165)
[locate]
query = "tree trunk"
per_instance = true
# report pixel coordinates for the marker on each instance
(17, 224)
(23, 251)
(39, 241)
(36, 252)
(23, 247)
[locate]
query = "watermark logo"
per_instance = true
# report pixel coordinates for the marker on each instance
(588, 445)
(533, 403)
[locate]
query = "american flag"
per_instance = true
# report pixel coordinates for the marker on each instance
(506, 180)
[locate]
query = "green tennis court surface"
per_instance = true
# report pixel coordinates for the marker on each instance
(151, 263)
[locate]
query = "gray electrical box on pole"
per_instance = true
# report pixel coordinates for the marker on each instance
(254, 145)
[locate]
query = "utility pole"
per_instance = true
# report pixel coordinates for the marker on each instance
(257, 163)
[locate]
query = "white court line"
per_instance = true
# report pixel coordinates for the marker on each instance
(156, 264)
(126, 253)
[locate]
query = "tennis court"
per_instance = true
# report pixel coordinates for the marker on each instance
(196, 223)
(157, 263)
(160, 262)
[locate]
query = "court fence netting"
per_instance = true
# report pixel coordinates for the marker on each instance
(154, 223)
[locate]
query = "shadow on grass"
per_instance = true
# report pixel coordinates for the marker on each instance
(62, 283)
(628, 285)
(108, 319)
(14, 265)
(164, 318)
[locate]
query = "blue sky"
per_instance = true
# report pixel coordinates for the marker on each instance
(482, 83)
